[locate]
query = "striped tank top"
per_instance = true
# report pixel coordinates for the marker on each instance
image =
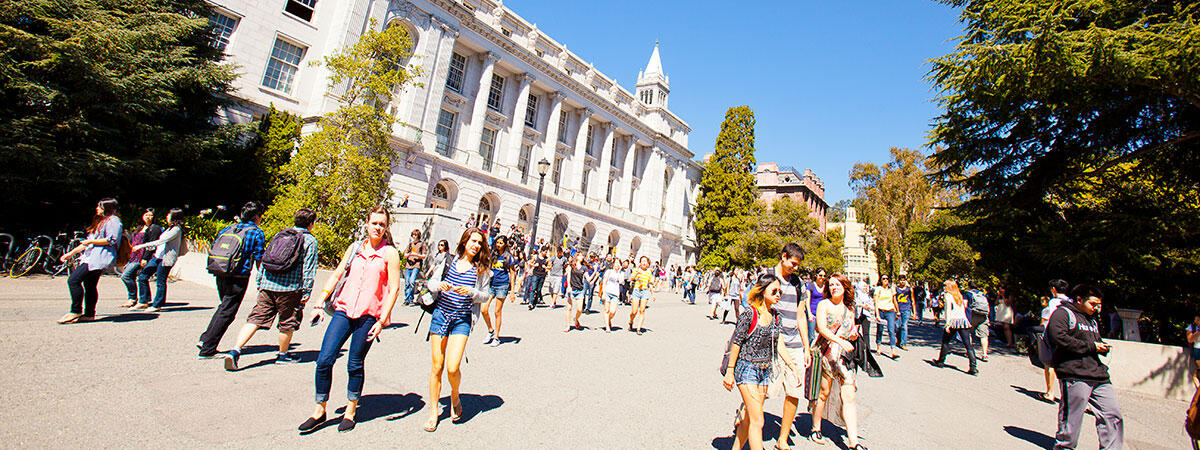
(453, 304)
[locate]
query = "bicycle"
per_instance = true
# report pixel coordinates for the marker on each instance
(61, 245)
(32, 255)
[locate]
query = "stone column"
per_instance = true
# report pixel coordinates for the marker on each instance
(470, 139)
(652, 179)
(436, 86)
(516, 129)
(603, 167)
(579, 154)
(625, 189)
(550, 143)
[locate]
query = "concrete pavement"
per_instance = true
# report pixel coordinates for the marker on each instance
(133, 380)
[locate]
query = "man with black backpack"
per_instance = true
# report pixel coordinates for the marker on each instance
(1073, 336)
(979, 312)
(285, 281)
(236, 250)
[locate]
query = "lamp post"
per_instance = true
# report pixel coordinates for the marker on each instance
(543, 167)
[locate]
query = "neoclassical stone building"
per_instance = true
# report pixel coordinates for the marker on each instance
(495, 97)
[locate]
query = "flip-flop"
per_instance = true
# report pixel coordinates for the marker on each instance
(430, 429)
(455, 417)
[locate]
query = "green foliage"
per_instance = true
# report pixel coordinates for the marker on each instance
(893, 199)
(202, 231)
(782, 222)
(727, 189)
(341, 170)
(936, 257)
(107, 98)
(1082, 119)
(275, 137)
(837, 212)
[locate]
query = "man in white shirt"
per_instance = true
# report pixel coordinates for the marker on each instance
(793, 319)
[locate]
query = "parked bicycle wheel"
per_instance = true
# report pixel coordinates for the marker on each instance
(26, 262)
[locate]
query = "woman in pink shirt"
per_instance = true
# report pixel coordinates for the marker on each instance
(362, 307)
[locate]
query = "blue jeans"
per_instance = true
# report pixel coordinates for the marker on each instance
(160, 273)
(889, 317)
(129, 276)
(589, 292)
(905, 314)
(690, 295)
(534, 294)
(410, 282)
(341, 328)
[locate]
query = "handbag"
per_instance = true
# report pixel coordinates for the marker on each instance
(337, 288)
(729, 345)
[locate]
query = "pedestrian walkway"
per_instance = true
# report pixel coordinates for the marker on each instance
(132, 380)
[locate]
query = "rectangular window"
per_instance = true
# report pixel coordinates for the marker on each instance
(523, 162)
(445, 133)
(556, 176)
(222, 28)
(587, 148)
(583, 185)
(282, 66)
(562, 127)
(608, 195)
(613, 154)
(487, 147)
(531, 112)
(301, 8)
(458, 65)
(496, 93)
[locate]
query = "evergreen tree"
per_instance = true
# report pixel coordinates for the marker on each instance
(107, 98)
(262, 171)
(341, 170)
(727, 189)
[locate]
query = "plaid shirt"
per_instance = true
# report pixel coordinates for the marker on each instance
(252, 247)
(299, 278)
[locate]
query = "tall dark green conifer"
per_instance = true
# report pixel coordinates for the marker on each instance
(727, 188)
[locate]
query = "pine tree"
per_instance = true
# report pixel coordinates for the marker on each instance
(728, 190)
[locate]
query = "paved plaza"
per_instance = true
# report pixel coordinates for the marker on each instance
(132, 380)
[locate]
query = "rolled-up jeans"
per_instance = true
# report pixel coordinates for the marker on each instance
(410, 284)
(341, 327)
(160, 273)
(129, 275)
(889, 318)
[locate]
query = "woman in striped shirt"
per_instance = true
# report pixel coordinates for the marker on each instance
(463, 284)
(643, 288)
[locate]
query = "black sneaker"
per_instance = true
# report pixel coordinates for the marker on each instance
(213, 355)
(231, 360)
(286, 358)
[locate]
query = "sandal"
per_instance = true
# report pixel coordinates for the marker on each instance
(70, 318)
(859, 447)
(817, 438)
(431, 428)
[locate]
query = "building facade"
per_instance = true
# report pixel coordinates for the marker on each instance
(857, 249)
(775, 182)
(494, 97)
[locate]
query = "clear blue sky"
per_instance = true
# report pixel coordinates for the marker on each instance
(831, 82)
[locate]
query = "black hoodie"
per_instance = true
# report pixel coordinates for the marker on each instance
(1075, 356)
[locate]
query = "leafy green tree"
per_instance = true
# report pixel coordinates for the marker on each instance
(825, 250)
(893, 199)
(341, 170)
(107, 98)
(727, 189)
(937, 257)
(837, 212)
(262, 167)
(782, 222)
(1081, 121)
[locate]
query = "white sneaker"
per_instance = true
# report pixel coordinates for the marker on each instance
(491, 338)
(495, 342)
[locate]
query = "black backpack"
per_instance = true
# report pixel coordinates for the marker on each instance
(715, 284)
(284, 252)
(226, 254)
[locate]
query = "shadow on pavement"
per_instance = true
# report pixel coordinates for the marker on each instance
(473, 405)
(509, 340)
(305, 356)
(395, 326)
(394, 406)
(1036, 395)
(1030, 436)
(185, 308)
(128, 317)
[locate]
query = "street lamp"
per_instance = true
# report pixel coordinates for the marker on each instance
(543, 167)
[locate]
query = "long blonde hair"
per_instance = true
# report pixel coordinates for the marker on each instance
(955, 293)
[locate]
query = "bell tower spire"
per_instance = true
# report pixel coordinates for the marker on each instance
(653, 86)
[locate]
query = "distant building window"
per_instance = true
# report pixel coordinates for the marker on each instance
(282, 66)
(454, 79)
(562, 127)
(445, 133)
(301, 8)
(506, 32)
(487, 147)
(588, 146)
(540, 53)
(613, 154)
(583, 185)
(523, 162)
(531, 112)
(648, 97)
(222, 28)
(496, 93)
(556, 176)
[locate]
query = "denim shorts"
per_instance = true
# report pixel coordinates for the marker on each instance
(640, 294)
(612, 298)
(749, 373)
(499, 291)
(577, 293)
(443, 326)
